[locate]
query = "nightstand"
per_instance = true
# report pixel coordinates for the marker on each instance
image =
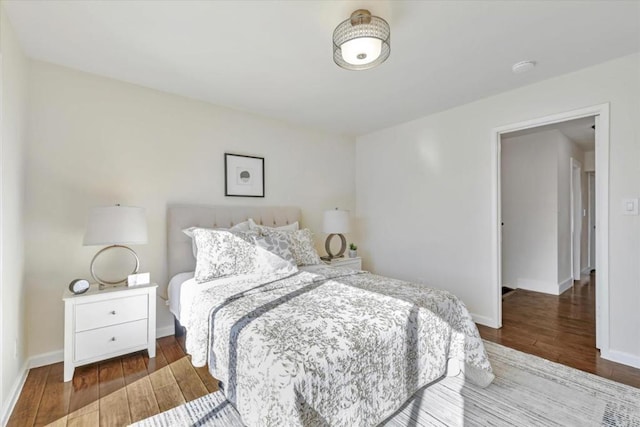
(101, 324)
(350, 263)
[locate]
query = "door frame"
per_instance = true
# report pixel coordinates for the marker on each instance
(575, 167)
(601, 113)
(2, 396)
(591, 183)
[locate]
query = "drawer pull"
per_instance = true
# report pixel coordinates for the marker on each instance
(112, 312)
(112, 339)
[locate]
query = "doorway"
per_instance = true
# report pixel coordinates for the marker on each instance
(600, 113)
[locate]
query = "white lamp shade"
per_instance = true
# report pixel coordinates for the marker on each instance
(116, 225)
(336, 222)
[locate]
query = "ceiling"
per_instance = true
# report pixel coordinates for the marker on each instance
(274, 58)
(578, 130)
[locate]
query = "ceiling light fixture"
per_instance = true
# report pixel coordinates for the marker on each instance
(523, 66)
(361, 42)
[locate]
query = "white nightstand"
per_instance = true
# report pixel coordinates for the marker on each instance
(350, 263)
(101, 324)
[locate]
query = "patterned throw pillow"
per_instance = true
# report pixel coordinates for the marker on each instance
(223, 253)
(300, 243)
(279, 245)
(274, 256)
(242, 226)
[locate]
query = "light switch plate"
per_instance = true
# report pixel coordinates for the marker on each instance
(138, 279)
(630, 206)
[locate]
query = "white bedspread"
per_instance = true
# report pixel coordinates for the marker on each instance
(333, 347)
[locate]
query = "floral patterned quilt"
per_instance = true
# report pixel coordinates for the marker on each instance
(327, 347)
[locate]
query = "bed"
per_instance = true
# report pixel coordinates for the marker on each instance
(318, 345)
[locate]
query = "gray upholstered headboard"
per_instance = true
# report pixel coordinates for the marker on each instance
(179, 217)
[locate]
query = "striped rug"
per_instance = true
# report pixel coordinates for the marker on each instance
(527, 391)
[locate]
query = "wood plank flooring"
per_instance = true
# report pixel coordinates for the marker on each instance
(115, 392)
(558, 328)
(130, 388)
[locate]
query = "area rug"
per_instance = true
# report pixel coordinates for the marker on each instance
(527, 391)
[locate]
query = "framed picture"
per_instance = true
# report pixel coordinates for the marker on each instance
(243, 175)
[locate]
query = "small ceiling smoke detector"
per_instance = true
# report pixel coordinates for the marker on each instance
(523, 66)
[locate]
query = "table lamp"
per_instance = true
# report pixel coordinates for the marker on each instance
(336, 222)
(115, 226)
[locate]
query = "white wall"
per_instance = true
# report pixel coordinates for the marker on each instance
(424, 202)
(529, 175)
(96, 141)
(13, 119)
(590, 161)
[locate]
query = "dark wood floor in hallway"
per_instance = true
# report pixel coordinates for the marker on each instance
(558, 328)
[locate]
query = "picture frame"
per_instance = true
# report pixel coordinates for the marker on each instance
(243, 175)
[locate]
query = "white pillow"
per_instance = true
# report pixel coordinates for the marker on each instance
(261, 228)
(241, 226)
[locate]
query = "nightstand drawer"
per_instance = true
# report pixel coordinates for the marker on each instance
(110, 312)
(103, 341)
(348, 263)
(352, 265)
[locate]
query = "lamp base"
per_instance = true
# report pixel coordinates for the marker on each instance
(328, 258)
(103, 284)
(327, 247)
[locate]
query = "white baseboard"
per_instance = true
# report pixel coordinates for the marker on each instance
(621, 357)
(565, 285)
(545, 287)
(586, 270)
(539, 286)
(165, 331)
(14, 393)
(45, 359)
(484, 320)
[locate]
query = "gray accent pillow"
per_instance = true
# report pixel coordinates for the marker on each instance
(277, 244)
(300, 243)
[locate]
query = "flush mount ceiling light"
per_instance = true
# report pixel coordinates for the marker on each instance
(523, 66)
(361, 42)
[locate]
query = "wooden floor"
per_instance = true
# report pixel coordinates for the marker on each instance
(123, 390)
(116, 392)
(558, 328)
